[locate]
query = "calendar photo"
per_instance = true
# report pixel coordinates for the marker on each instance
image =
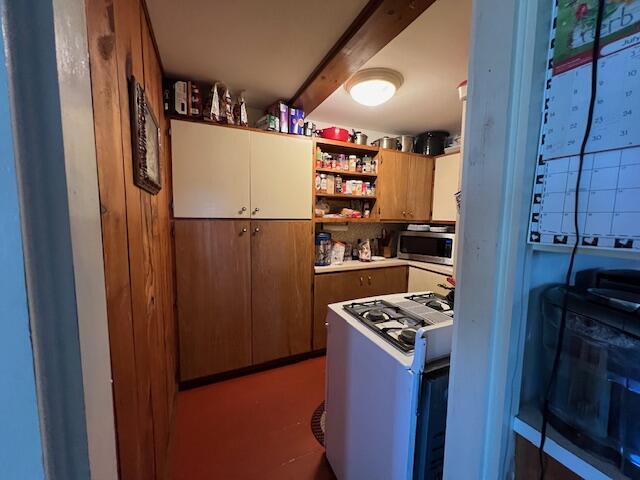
(609, 190)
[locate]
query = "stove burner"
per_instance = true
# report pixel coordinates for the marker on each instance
(436, 305)
(408, 336)
(389, 321)
(376, 315)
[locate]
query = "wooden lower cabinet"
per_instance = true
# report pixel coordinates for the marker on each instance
(243, 292)
(282, 255)
(213, 276)
(342, 286)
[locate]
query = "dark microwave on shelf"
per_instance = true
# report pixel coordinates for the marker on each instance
(427, 247)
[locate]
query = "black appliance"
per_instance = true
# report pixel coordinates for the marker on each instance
(396, 325)
(596, 399)
(431, 143)
(428, 461)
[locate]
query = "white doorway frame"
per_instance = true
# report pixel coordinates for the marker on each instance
(54, 145)
(509, 43)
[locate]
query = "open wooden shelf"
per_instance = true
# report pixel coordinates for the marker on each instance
(345, 220)
(345, 196)
(346, 173)
(332, 144)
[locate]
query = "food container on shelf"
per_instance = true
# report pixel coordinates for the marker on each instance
(335, 133)
(323, 249)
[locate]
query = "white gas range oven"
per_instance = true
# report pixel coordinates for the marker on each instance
(387, 382)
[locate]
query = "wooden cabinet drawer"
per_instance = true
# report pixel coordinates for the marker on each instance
(343, 286)
(383, 281)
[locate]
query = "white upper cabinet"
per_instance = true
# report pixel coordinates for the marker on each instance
(446, 184)
(221, 172)
(281, 176)
(211, 171)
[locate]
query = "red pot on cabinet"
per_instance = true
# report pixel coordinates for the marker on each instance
(335, 133)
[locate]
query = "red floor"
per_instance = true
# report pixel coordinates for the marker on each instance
(253, 427)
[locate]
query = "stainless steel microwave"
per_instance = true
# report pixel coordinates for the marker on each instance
(427, 247)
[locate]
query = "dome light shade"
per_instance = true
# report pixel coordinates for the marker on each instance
(373, 86)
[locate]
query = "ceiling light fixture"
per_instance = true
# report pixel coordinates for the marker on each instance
(373, 86)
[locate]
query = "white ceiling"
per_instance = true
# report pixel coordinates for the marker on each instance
(432, 55)
(267, 48)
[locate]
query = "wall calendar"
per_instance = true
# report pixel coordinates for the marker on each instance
(609, 190)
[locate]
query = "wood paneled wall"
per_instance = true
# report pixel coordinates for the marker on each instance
(137, 239)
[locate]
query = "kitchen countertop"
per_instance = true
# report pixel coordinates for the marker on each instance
(387, 262)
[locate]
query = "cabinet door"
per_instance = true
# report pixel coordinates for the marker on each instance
(419, 188)
(213, 280)
(331, 288)
(384, 281)
(446, 185)
(281, 176)
(421, 280)
(281, 282)
(394, 172)
(210, 166)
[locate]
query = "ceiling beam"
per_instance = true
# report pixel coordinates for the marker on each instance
(379, 22)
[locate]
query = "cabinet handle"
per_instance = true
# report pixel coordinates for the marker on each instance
(369, 279)
(404, 214)
(410, 213)
(256, 210)
(361, 281)
(256, 230)
(244, 230)
(243, 209)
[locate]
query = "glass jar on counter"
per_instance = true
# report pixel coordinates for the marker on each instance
(323, 249)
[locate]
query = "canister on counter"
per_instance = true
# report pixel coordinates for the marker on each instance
(323, 249)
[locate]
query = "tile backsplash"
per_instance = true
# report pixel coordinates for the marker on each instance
(350, 233)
